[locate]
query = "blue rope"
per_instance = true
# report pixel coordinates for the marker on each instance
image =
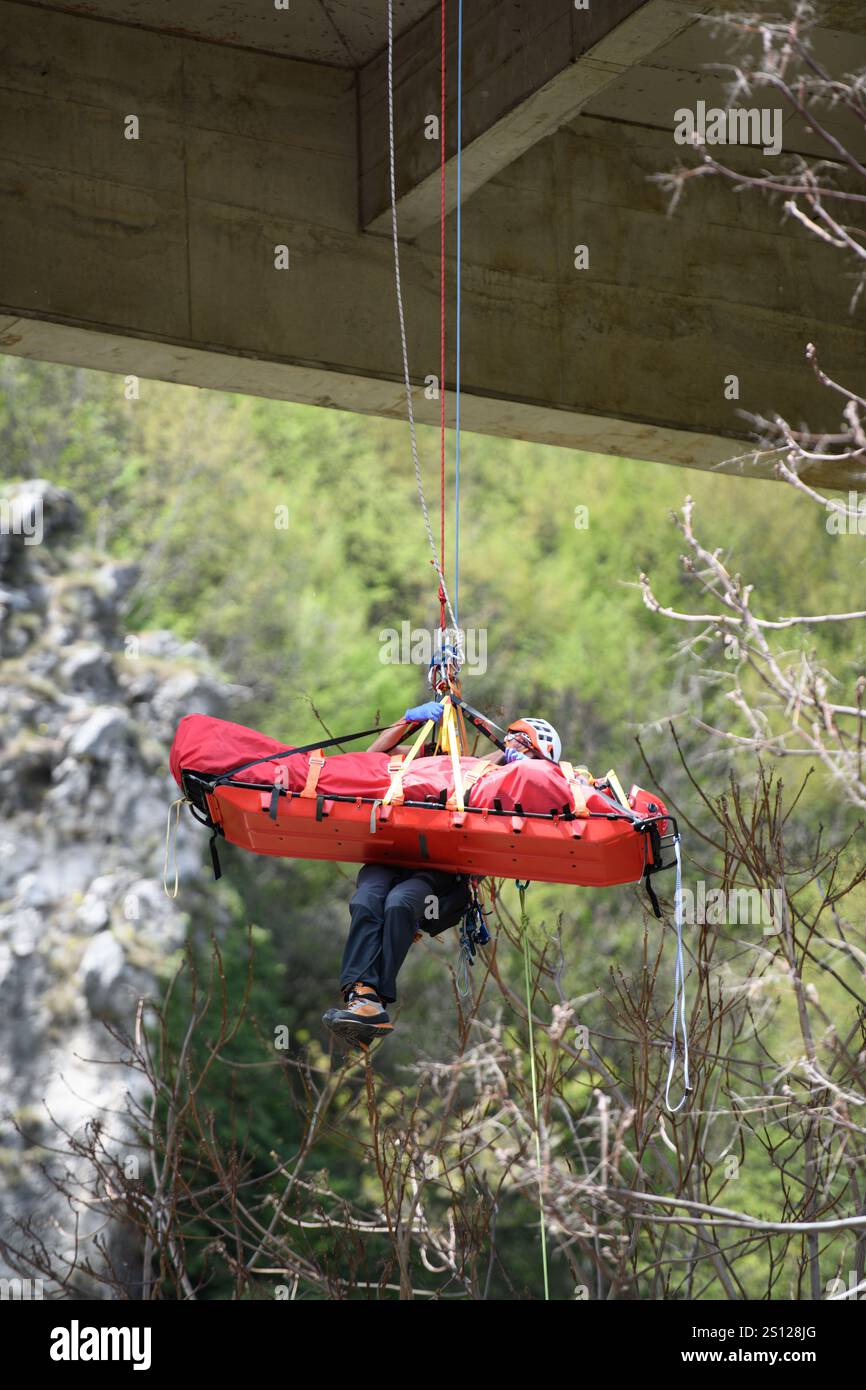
(457, 345)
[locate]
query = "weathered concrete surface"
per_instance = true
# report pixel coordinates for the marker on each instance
(341, 33)
(529, 65)
(156, 256)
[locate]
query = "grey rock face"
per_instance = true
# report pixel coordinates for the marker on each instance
(101, 973)
(105, 732)
(87, 711)
(88, 668)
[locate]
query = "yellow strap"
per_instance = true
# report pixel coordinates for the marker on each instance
(451, 740)
(577, 789)
(409, 758)
(171, 842)
(616, 787)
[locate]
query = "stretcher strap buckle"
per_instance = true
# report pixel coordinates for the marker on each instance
(317, 762)
(579, 788)
(395, 791)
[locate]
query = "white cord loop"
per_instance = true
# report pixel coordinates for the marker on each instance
(171, 845)
(679, 994)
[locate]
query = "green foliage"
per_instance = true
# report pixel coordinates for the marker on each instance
(193, 485)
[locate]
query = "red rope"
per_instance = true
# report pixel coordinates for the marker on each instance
(442, 327)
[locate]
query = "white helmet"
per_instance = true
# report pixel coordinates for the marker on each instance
(541, 735)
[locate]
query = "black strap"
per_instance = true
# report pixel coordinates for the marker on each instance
(290, 752)
(651, 893)
(214, 855)
(484, 726)
(369, 997)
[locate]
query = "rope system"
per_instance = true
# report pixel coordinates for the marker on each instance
(457, 311)
(442, 160)
(679, 994)
(407, 381)
(524, 931)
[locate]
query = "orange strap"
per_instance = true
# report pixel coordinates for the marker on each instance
(416, 748)
(579, 788)
(476, 773)
(317, 762)
(472, 776)
(395, 791)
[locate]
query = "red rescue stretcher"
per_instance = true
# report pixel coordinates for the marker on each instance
(529, 820)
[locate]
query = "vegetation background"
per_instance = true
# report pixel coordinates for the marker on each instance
(188, 484)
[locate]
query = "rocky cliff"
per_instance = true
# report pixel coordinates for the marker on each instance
(87, 711)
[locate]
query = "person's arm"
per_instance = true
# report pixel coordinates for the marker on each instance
(389, 738)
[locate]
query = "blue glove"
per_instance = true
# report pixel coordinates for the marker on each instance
(512, 755)
(419, 713)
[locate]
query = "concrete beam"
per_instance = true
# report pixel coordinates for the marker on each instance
(155, 257)
(360, 394)
(532, 65)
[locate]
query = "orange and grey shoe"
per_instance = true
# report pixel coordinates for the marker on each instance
(362, 1020)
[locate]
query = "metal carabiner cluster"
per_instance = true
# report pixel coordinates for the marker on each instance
(473, 932)
(444, 670)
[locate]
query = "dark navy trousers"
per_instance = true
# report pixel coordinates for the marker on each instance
(387, 908)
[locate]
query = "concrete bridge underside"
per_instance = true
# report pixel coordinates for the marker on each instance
(155, 256)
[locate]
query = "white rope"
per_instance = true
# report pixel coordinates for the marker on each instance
(679, 994)
(171, 846)
(406, 378)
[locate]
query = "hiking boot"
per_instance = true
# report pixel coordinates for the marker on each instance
(362, 1020)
